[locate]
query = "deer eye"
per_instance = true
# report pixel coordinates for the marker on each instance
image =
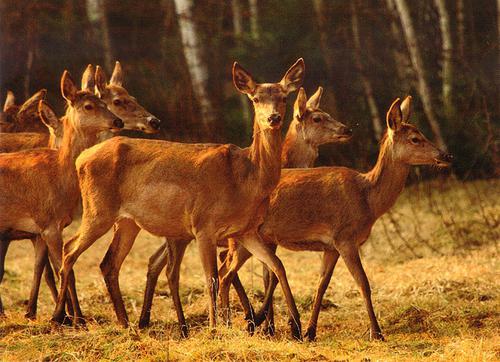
(88, 107)
(256, 100)
(415, 140)
(117, 102)
(316, 119)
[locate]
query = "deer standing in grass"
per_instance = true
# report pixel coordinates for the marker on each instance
(310, 128)
(332, 209)
(40, 187)
(183, 191)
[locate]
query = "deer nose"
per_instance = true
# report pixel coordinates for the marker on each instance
(346, 131)
(274, 119)
(154, 123)
(118, 123)
(448, 157)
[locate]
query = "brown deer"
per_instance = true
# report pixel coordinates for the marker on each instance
(310, 128)
(183, 191)
(40, 187)
(332, 209)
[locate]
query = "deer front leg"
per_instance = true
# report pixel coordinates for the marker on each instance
(327, 266)
(350, 254)
(4, 246)
(41, 256)
(208, 254)
(126, 231)
(228, 273)
(268, 278)
(254, 244)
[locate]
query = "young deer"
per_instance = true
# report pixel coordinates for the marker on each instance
(40, 187)
(310, 128)
(332, 209)
(184, 191)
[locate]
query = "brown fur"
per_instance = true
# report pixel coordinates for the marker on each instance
(22, 118)
(182, 191)
(39, 187)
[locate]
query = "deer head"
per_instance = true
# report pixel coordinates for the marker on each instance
(409, 145)
(269, 99)
(116, 97)
(86, 110)
(21, 118)
(316, 126)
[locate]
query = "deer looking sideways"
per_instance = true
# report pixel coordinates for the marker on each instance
(310, 128)
(115, 96)
(40, 187)
(183, 191)
(332, 209)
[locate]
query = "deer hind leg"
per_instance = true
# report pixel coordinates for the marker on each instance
(327, 266)
(254, 244)
(126, 231)
(208, 255)
(228, 273)
(350, 254)
(242, 295)
(90, 230)
(4, 246)
(268, 277)
(41, 255)
(50, 279)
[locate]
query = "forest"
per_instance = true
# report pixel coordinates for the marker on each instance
(177, 58)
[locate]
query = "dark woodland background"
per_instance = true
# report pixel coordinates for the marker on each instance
(445, 54)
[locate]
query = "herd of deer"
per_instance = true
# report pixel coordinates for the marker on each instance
(220, 195)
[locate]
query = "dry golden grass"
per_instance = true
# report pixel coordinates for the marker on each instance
(435, 289)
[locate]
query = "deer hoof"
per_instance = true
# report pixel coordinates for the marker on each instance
(310, 334)
(377, 335)
(30, 315)
(184, 331)
(144, 323)
(270, 329)
(296, 330)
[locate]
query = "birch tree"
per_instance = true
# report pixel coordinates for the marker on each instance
(198, 69)
(367, 86)
(424, 89)
(447, 72)
(96, 14)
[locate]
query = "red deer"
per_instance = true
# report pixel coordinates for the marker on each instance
(332, 209)
(310, 128)
(40, 187)
(183, 191)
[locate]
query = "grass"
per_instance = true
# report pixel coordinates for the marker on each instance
(432, 263)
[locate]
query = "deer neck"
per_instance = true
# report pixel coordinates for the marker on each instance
(297, 150)
(265, 155)
(386, 180)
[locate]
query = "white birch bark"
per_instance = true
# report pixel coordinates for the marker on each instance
(96, 14)
(367, 86)
(198, 70)
(418, 64)
(447, 72)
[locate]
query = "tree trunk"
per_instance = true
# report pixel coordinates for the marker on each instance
(326, 51)
(238, 31)
(447, 61)
(460, 28)
(372, 105)
(254, 20)
(418, 64)
(403, 66)
(198, 69)
(497, 77)
(96, 13)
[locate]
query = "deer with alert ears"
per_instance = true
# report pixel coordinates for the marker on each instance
(332, 209)
(183, 191)
(310, 128)
(40, 187)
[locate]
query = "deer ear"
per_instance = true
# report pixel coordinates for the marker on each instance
(313, 102)
(10, 101)
(47, 115)
(117, 76)
(300, 105)
(31, 105)
(88, 78)
(406, 108)
(68, 88)
(394, 115)
(100, 82)
(243, 80)
(294, 76)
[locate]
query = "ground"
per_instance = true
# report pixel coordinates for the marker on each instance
(432, 263)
